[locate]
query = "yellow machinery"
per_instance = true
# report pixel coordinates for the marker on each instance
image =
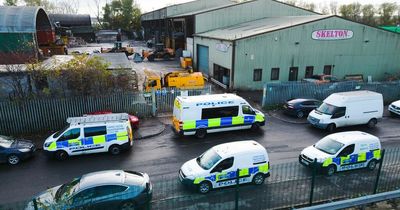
(176, 79)
(119, 48)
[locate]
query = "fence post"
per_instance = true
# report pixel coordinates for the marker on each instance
(379, 172)
(314, 171)
(237, 190)
(153, 102)
(264, 96)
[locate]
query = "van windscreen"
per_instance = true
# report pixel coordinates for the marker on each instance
(327, 109)
(328, 145)
(208, 159)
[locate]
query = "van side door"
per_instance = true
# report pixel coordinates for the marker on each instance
(348, 158)
(95, 139)
(225, 174)
(71, 141)
(340, 117)
(249, 114)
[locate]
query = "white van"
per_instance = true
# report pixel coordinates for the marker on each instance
(217, 167)
(343, 151)
(348, 108)
(91, 134)
(199, 115)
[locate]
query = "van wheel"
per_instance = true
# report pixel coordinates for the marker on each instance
(204, 187)
(258, 179)
(371, 123)
(331, 128)
(114, 149)
(300, 114)
(61, 155)
(201, 133)
(255, 127)
(330, 170)
(372, 165)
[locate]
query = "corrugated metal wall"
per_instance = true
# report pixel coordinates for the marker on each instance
(244, 12)
(215, 56)
(371, 52)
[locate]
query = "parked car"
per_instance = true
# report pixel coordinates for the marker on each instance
(394, 108)
(132, 118)
(300, 107)
(112, 189)
(321, 79)
(13, 150)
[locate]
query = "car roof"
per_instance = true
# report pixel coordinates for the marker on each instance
(352, 137)
(110, 177)
(233, 148)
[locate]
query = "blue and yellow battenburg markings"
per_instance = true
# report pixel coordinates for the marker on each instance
(351, 159)
(232, 174)
(221, 122)
(120, 136)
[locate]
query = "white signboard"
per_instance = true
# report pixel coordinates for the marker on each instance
(332, 34)
(222, 47)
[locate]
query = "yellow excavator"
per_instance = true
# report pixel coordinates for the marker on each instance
(178, 79)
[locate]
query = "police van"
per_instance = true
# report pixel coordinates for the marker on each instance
(218, 166)
(199, 115)
(91, 134)
(343, 151)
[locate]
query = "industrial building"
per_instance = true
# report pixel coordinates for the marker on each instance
(244, 45)
(23, 30)
(77, 25)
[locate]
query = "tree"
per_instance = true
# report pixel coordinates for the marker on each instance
(124, 14)
(368, 15)
(48, 6)
(66, 7)
(386, 12)
(11, 3)
(351, 11)
(333, 6)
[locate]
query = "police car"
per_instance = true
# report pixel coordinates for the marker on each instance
(343, 151)
(199, 115)
(91, 134)
(218, 166)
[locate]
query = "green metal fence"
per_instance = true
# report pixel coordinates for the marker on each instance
(49, 114)
(279, 93)
(290, 185)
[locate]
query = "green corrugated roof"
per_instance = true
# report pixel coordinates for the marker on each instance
(395, 29)
(18, 19)
(260, 26)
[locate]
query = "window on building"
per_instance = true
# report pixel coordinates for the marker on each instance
(293, 73)
(275, 74)
(309, 71)
(257, 74)
(95, 131)
(219, 112)
(328, 70)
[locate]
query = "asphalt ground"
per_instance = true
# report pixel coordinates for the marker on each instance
(162, 156)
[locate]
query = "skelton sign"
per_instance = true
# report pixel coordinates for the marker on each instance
(332, 34)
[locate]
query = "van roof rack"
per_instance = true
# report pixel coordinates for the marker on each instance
(98, 118)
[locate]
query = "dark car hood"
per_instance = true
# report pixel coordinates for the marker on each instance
(22, 144)
(45, 199)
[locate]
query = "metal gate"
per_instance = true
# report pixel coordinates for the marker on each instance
(202, 59)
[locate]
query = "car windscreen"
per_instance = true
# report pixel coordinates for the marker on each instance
(328, 145)
(58, 133)
(208, 159)
(6, 141)
(66, 190)
(327, 109)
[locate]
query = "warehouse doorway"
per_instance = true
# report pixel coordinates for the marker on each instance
(221, 76)
(202, 59)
